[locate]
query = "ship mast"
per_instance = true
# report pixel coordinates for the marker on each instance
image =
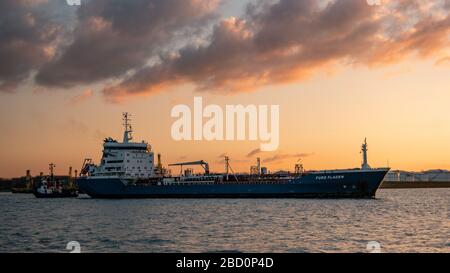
(128, 130)
(228, 168)
(51, 166)
(364, 149)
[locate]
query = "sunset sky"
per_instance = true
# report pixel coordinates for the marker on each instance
(340, 70)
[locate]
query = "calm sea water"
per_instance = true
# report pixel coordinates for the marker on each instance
(403, 220)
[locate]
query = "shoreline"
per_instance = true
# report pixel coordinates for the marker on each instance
(414, 185)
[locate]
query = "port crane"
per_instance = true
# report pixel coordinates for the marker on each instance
(202, 163)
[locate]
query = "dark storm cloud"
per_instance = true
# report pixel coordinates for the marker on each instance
(144, 46)
(28, 37)
(116, 36)
(289, 40)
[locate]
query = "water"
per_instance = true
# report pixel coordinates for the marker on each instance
(403, 220)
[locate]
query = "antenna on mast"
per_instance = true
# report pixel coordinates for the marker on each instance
(51, 166)
(128, 130)
(364, 149)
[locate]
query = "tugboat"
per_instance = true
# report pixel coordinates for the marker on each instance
(50, 187)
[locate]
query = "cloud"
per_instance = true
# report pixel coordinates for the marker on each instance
(114, 37)
(28, 38)
(442, 61)
(144, 46)
(254, 152)
(277, 157)
(87, 94)
(290, 40)
(281, 157)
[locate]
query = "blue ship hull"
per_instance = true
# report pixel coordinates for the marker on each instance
(325, 184)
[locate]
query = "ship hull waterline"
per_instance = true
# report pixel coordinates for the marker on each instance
(326, 184)
(55, 195)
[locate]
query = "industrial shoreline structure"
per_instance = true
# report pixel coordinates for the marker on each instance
(143, 171)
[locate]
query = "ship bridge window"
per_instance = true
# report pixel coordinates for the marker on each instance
(115, 161)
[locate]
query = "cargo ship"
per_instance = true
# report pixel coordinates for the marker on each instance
(127, 170)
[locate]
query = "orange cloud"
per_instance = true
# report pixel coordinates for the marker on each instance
(281, 157)
(443, 61)
(291, 40)
(271, 43)
(87, 94)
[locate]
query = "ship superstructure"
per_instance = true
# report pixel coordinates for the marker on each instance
(126, 159)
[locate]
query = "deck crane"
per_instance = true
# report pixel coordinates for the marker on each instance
(202, 163)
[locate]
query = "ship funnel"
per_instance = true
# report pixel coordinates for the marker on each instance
(159, 162)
